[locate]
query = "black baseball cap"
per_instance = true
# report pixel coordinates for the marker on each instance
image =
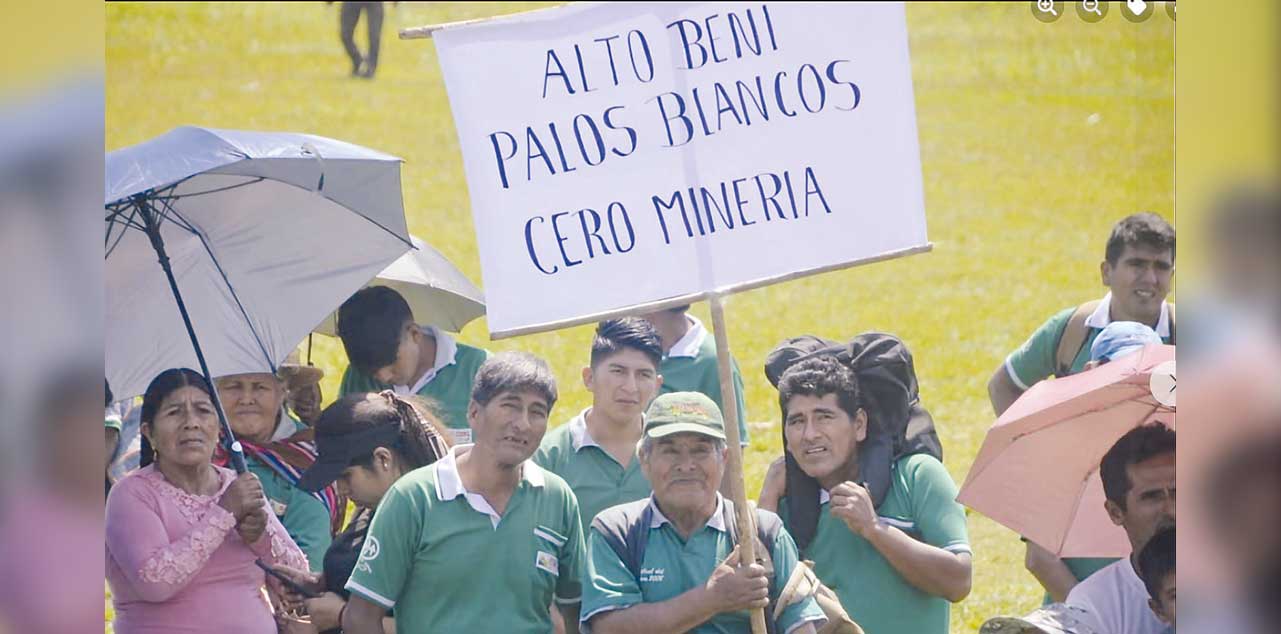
(336, 451)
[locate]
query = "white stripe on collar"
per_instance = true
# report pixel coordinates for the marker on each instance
(449, 484)
(579, 437)
(688, 345)
(446, 355)
(1102, 316)
(716, 521)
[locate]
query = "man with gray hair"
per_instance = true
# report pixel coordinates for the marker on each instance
(483, 539)
(670, 563)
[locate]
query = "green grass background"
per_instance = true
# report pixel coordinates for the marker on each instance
(1034, 138)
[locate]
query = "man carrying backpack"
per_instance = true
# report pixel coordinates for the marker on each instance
(1137, 269)
(895, 564)
(670, 563)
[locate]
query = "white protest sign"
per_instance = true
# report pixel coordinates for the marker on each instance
(622, 154)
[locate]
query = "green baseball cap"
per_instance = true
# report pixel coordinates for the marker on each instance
(691, 412)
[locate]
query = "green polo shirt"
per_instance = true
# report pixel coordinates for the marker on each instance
(301, 513)
(1034, 361)
(922, 503)
(673, 566)
(690, 366)
(450, 388)
(598, 481)
(447, 562)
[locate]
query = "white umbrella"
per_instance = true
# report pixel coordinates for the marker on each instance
(259, 236)
(437, 292)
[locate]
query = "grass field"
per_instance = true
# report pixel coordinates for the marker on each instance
(1034, 139)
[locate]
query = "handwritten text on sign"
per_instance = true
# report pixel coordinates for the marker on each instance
(621, 154)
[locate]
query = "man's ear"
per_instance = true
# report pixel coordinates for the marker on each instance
(412, 331)
(1115, 512)
(860, 425)
(1105, 272)
(473, 412)
(587, 377)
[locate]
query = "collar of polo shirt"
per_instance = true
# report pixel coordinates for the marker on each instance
(449, 484)
(688, 345)
(1102, 316)
(716, 521)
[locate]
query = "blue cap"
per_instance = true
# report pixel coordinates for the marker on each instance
(1120, 338)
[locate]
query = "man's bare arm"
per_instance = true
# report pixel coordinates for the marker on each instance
(1001, 390)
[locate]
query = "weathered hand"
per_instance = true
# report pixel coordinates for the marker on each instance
(734, 586)
(243, 496)
(253, 525)
(324, 610)
(853, 505)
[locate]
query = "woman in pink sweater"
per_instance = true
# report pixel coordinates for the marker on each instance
(183, 534)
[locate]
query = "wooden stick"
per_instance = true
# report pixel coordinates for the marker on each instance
(734, 463)
(425, 31)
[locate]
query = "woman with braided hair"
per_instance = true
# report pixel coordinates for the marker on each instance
(365, 442)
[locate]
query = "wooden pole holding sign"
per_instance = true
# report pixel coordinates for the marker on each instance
(745, 517)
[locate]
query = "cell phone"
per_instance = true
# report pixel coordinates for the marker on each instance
(286, 580)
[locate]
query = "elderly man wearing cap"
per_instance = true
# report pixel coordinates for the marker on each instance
(670, 563)
(278, 449)
(484, 539)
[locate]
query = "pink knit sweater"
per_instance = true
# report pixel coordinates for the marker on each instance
(176, 563)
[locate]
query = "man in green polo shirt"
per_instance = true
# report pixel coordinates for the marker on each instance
(894, 567)
(254, 405)
(595, 452)
(689, 361)
(483, 540)
(1137, 268)
(387, 350)
(689, 578)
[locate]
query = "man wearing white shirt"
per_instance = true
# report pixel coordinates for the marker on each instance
(1139, 484)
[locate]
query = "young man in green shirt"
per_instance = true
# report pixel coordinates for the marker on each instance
(894, 567)
(387, 350)
(689, 578)
(254, 405)
(595, 452)
(483, 540)
(1138, 269)
(689, 361)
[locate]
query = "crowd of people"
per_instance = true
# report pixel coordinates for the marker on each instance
(616, 519)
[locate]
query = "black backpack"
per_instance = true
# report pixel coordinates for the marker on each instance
(626, 529)
(898, 424)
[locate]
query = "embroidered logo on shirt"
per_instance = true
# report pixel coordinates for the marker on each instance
(278, 508)
(547, 561)
(370, 550)
(652, 575)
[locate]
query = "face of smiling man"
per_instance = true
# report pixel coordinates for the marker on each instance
(510, 425)
(1139, 281)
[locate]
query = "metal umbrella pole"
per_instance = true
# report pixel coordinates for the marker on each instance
(151, 224)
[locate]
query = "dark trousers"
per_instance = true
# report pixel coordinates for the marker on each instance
(350, 14)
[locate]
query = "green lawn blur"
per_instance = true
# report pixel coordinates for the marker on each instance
(1034, 138)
